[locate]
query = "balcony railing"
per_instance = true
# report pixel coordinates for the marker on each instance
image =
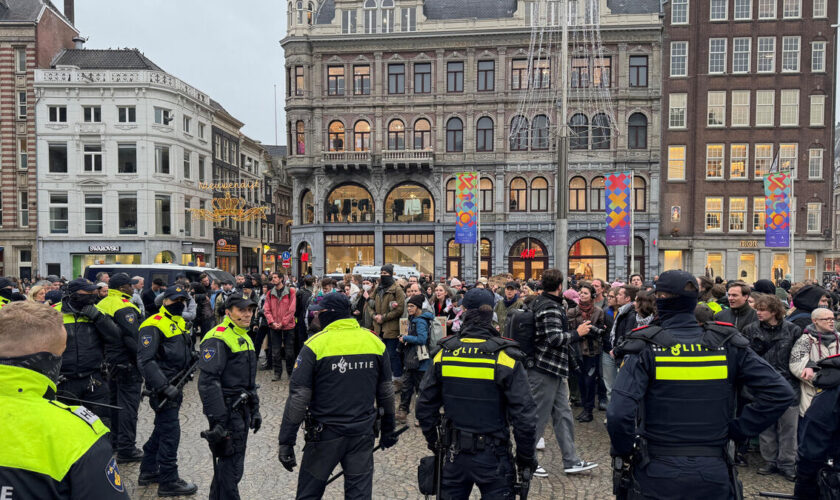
(408, 157)
(346, 159)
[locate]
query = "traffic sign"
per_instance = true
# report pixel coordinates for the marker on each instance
(287, 255)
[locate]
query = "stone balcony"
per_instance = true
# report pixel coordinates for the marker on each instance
(408, 158)
(346, 160)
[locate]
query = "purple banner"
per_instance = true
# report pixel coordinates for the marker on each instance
(617, 201)
(777, 210)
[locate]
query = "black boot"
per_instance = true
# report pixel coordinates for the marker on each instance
(134, 455)
(177, 489)
(586, 416)
(147, 479)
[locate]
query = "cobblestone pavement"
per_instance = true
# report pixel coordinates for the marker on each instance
(396, 468)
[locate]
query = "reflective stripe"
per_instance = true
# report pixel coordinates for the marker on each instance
(438, 356)
(467, 372)
(506, 360)
(472, 341)
(692, 359)
(692, 372)
(470, 360)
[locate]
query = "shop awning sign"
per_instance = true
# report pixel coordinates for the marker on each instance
(104, 248)
(466, 208)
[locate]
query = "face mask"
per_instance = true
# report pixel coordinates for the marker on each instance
(79, 301)
(386, 281)
(366, 288)
(668, 308)
(176, 308)
(45, 363)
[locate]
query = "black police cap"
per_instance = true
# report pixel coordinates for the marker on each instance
(678, 283)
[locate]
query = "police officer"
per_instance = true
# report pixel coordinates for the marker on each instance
(50, 450)
(483, 388)
(124, 379)
(819, 430)
(88, 332)
(165, 354)
(7, 294)
(339, 374)
(681, 379)
(228, 391)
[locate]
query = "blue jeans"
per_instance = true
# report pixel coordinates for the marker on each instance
(609, 370)
(394, 356)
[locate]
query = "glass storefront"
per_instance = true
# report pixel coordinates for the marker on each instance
(196, 259)
(748, 267)
(81, 261)
(250, 260)
(165, 257)
(345, 251)
(486, 257)
(229, 264)
(304, 259)
(453, 260)
(672, 260)
(588, 259)
(781, 266)
(810, 266)
(714, 265)
(349, 203)
(528, 259)
(409, 203)
(412, 250)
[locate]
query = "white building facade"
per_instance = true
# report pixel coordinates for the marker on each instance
(122, 147)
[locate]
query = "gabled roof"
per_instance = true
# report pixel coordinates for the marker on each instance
(105, 59)
(26, 10)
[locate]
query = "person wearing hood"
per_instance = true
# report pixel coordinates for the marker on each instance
(415, 343)
(49, 450)
(89, 331)
(772, 338)
(686, 408)
(818, 342)
(7, 293)
(279, 309)
(509, 302)
(480, 381)
(386, 309)
(739, 313)
(805, 301)
(342, 381)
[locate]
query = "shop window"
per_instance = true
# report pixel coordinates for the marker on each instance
(714, 265)
(346, 251)
(781, 266)
(409, 203)
(577, 194)
(361, 135)
(588, 259)
(336, 134)
(349, 203)
(527, 259)
(810, 266)
(422, 135)
(518, 195)
(453, 259)
(165, 257)
(486, 257)
(415, 250)
(539, 195)
(747, 267)
(672, 260)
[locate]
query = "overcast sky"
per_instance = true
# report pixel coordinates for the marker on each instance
(229, 50)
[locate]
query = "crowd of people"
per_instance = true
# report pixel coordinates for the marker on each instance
(580, 333)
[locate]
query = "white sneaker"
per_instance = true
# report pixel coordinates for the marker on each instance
(541, 444)
(580, 467)
(540, 472)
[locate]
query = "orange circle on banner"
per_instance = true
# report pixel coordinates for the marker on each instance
(779, 219)
(465, 217)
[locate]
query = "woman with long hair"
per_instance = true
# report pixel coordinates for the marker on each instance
(590, 348)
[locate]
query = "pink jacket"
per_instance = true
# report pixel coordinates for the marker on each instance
(280, 309)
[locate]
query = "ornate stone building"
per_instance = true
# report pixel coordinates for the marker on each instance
(387, 101)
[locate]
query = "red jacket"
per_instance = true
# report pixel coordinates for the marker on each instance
(280, 309)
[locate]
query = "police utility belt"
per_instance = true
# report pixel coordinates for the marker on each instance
(468, 442)
(686, 451)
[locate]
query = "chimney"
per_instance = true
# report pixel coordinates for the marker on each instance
(69, 11)
(79, 42)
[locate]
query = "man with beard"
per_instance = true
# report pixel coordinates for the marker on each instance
(386, 308)
(88, 331)
(279, 310)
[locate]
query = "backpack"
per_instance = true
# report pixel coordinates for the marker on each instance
(436, 332)
(521, 326)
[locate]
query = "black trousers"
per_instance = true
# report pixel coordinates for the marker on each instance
(354, 453)
(125, 387)
(229, 470)
(283, 347)
(411, 384)
(160, 453)
(490, 469)
(683, 477)
(93, 389)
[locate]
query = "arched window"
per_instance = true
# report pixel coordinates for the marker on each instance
(309, 12)
(307, 208)
(596, 194)
(577, 194)
(299, 12)
(518, 195)
(336, 136)
(422, 134)
(588, 259)
(486, 187)
(639, 194)
(539, 136)
(409, 203)
(300, 138)
(370, 4)
(527, 259)
(361, 136)
(519, 134)
(349, 203)
(484, 137)
(637, 131)
(579, 125)
(454, 135)
(165, 257)
(539, 195)
(600, 132)
(450, 195)
(396, 135)
(289, 16)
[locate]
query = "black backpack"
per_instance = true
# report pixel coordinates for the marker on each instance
(521, 326)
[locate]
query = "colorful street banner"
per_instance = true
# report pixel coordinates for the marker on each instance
(777, 210)
(617, 194)
(466, 208)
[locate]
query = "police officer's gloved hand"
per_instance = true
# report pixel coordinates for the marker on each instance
(526, 462)
(431, 439)
(387, 438)
(170, 392)
(91, 312)
(256, 421)
(286, 456)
